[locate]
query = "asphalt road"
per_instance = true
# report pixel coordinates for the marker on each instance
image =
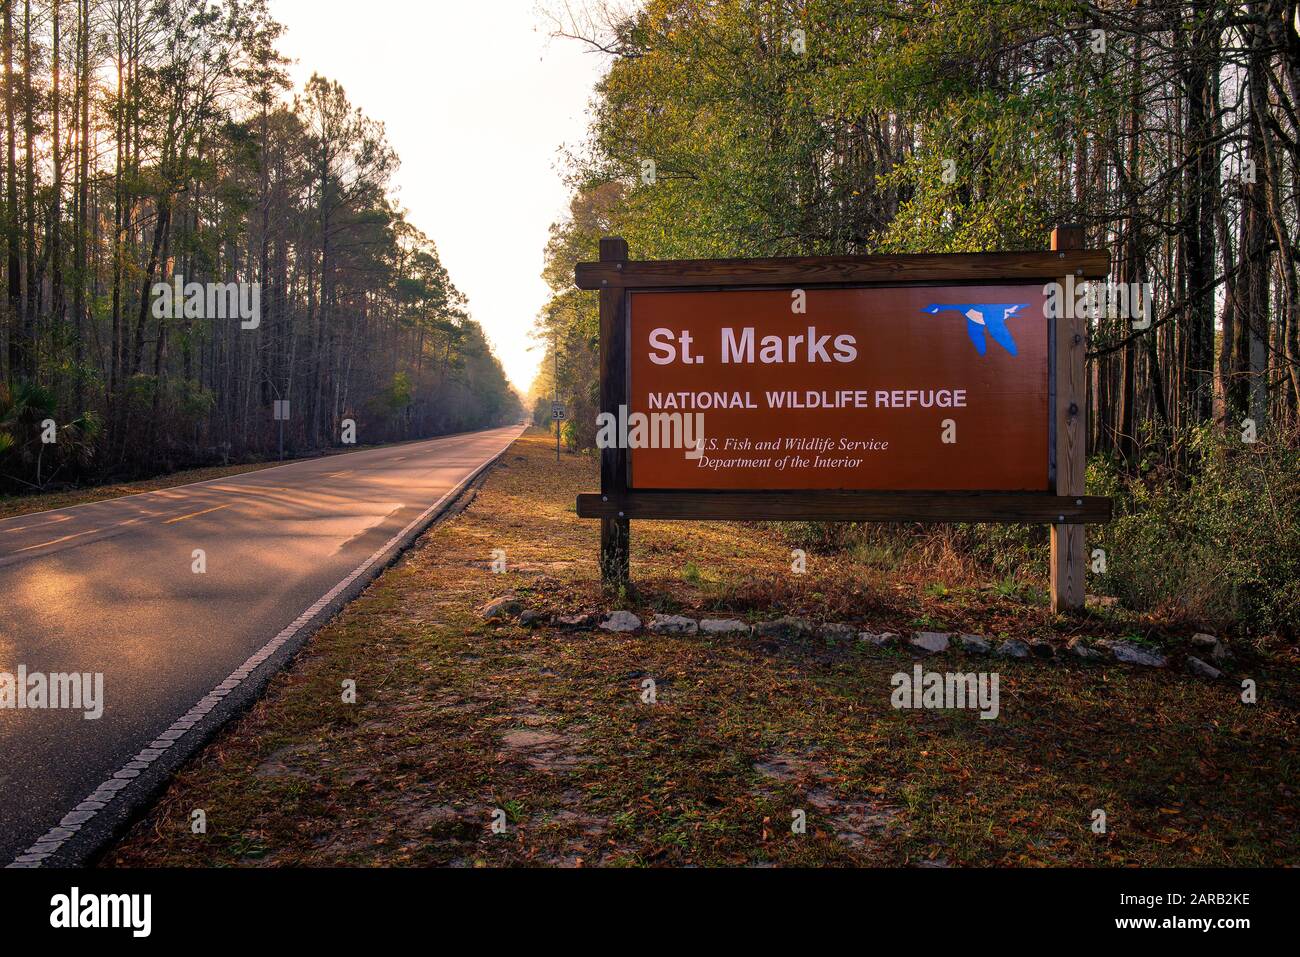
(109, 587)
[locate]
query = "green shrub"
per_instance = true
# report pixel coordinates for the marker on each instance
(1218, 543)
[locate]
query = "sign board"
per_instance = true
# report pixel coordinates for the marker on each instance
(557, 411)
(938, 388)
(881, 388)
(281, 410)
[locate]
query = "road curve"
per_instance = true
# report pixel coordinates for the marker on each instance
(110, 587)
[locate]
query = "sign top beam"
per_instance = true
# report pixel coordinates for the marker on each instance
(816, 270)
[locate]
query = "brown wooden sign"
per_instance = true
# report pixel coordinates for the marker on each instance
(852, 391)
(899, 388)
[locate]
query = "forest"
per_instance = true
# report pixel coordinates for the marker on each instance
(1168, 130)
(152, 142)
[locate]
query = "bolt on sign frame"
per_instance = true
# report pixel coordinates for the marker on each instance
(1025, 465)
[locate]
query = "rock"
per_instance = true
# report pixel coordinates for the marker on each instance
(621, 621)
(673, 625)
(1042, 649)
(1012, 648)
(1218, 650)
(530, 616)
(1197, 667)
(1079, 649)
(974, 644)
(575, 622)
(1131, 654)
(930, 641)
(834, 631)
(786, 627)
(724, 626)
(881, 640)
(506, 606)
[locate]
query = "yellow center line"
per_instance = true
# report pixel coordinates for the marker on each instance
(89, 531)
(181, 518)
(56, 541)
(53, 521)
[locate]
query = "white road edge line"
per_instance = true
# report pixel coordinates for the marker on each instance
(108, 791)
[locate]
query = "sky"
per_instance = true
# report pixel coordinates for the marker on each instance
(477, 99)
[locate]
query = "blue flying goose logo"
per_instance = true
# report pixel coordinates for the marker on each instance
(991, 316)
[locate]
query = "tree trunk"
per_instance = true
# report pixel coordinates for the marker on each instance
(18, 344)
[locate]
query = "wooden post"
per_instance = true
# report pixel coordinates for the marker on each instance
(615, 532)
(1069, 545)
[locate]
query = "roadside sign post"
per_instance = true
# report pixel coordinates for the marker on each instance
(615, 530)
(927, 388)
(557, 416)
(1069, 542)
